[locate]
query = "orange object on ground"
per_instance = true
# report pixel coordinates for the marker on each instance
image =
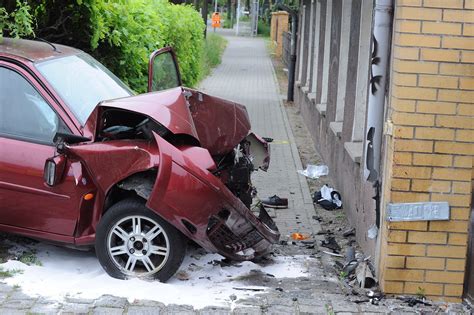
(299, 237)
(216, 20)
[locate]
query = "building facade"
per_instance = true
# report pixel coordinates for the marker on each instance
(386, 89)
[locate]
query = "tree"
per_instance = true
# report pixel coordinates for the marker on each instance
(17, 23)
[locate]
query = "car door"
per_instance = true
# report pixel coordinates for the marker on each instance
(28, 123)
(163, 70)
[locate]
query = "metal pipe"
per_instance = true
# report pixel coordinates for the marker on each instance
(292, 65)
(377, 86)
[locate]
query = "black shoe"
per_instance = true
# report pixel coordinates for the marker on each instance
(275, 202)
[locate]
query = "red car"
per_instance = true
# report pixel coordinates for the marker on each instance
(85, 162)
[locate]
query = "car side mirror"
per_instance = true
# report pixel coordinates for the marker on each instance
(163, 70)
(54, 170)
(69, 138)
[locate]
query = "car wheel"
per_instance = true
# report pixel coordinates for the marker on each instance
(133, 241)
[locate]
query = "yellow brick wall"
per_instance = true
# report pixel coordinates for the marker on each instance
(432, 148)
(279, 24)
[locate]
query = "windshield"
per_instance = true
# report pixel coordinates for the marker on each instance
(82, 82)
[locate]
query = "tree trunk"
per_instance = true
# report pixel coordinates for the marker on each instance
(204, 15)
(229, 12)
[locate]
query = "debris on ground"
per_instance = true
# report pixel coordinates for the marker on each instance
(364, 275)
(182, 275)
(328, 198)
(412, 301)
(332, 254)
(330, 242)
(372, 232)
(299, 236)
(314, 171)
(349, 232)
(275, 202)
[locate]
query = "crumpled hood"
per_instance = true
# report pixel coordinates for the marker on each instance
(219, 125)
(168, 107)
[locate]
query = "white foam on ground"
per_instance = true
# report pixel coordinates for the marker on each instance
(67, 272)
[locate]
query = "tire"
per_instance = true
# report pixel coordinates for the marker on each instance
(127, 241)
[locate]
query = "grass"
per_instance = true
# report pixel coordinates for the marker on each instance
(329, 309)
(420, 293)
(227, 23)
(343, 275)
(244, 18)
(29, 258)
(212, 53)
(263, 29)
(9, 272)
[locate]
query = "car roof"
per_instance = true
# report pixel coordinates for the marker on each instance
(34, 50)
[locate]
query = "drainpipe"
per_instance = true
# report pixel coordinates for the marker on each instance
(377, 87)
(292, 66)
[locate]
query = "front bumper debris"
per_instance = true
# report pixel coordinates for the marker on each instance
(236, 238)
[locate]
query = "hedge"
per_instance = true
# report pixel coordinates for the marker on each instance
(122, 33)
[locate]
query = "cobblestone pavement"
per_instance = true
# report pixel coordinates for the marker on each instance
(246, 76)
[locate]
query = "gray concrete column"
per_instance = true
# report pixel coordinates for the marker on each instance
(343, 59)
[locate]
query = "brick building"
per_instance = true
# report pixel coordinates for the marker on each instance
(390, 106)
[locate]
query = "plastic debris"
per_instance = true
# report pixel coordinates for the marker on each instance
(332, 254)
(372, 232)
(365, 278)
(412, 301)
(182, 275)
(328, 198)
(299, 237)
(314, 171)
(349, 232)
(330, 242)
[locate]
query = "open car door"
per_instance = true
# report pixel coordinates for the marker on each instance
(163, 70)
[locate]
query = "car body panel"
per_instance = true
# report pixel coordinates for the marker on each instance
(111, 161)
(169, 190)
(34, 50)
(22, 186)
(167, 107)
(230, 121)
(219, 125)
(21, 178)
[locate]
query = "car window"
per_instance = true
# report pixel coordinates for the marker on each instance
(165, 75)
(23, 111)
(82, 82)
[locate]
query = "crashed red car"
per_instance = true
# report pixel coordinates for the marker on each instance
(85, 162)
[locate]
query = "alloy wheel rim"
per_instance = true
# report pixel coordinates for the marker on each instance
(138, 245)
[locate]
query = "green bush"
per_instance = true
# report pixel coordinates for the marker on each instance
(127, 32)
(121, 33)
(227, 23)
(17, 23)
(245, 18)
(263, 29)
